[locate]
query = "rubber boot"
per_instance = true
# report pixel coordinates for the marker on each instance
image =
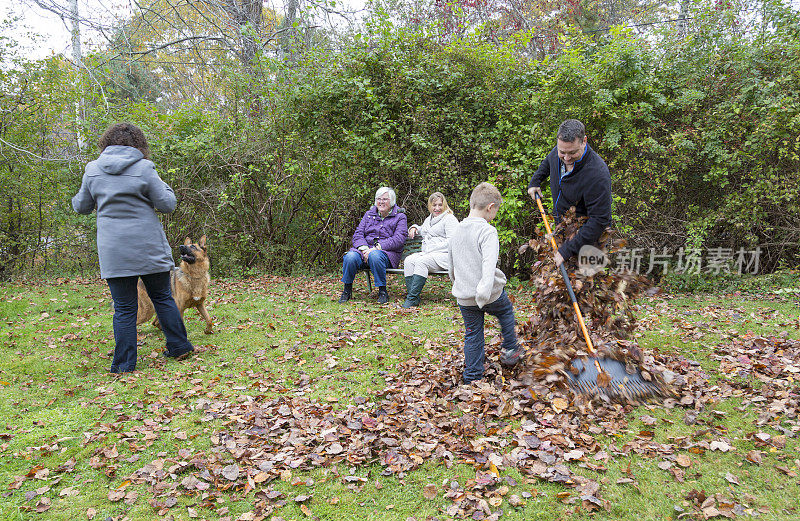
(346, 294)
(408, 284)
(414, 290)
(383, 296)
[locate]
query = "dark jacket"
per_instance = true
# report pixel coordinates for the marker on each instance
(587, 188)
(390, 231)
(127, 192)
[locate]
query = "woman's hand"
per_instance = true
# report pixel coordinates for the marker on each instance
(365, 254)
(412, 232)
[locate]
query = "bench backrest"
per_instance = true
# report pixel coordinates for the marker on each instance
(412, 246)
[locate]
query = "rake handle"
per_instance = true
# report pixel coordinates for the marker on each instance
(565, 276)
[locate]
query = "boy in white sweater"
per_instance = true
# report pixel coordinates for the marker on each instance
(478, 285)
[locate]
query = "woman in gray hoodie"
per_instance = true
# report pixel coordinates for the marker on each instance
(122, 184)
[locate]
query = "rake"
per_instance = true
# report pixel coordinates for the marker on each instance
(592, 375)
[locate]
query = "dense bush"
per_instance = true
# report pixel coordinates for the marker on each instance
(701, 131)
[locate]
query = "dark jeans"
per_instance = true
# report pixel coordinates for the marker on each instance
(473, 333)
(123, 291)
(378, 262)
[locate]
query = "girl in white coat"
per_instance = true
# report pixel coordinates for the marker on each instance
(435, 232)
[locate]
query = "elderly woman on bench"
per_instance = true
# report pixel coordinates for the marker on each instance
(437, 228)
(377, 244)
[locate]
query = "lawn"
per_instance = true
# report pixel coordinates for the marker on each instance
(301, 408)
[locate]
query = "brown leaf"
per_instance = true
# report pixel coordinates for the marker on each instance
(430, 491)
(603, 379)
(574, 454)
(231, 472)
(754, 457)
(69, 492)
(560, 404)
(721, 446)
(516, 501)
(683, 460)
(43, 505)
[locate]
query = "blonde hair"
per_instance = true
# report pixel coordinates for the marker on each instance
(438, 195)
(386, 190)
(483, 195)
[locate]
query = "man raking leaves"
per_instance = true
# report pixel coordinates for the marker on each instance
(579, 178)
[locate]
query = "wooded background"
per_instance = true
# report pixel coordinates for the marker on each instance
(276, 126)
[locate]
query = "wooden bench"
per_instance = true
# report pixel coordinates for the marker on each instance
(412, 246)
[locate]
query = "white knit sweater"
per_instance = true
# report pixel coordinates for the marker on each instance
(435, 231)
(474, 251)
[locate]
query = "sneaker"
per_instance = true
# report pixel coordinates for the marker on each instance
(511, 358)
(383, 295)
(179, 356)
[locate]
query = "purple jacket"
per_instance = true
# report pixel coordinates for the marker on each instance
(390, 232)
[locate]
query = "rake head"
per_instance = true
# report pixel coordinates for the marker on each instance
(624, 386)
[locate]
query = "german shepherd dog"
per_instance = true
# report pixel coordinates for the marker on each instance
(189, 283)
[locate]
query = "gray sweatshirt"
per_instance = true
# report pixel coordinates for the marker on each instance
(127, 191)
(474, 251)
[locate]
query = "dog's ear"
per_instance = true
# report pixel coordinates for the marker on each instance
(187, 241)
(202, 242)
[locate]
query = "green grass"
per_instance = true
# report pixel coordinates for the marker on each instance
(58, 403)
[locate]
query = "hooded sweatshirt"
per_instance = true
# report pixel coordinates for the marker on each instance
(126, 191)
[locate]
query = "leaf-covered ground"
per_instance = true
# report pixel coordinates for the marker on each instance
(299, 408)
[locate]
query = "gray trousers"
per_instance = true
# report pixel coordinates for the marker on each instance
(424, 263)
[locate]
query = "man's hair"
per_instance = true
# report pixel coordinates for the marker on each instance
(570, 130)
(386, 190)
(438, 195)
(483, 195)
(125, 134)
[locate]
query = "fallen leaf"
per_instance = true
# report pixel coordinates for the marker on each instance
(430, 491)
(231, 472)
(721, 446)
(754, 457)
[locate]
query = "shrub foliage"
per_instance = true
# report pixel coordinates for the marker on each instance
(701, 129)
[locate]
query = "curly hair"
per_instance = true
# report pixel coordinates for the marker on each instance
(126, 134)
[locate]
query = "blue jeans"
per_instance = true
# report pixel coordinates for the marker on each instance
(126, 305)
(473, 333)
(378, 262)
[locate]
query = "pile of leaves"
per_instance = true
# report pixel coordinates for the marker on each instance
(605, 297)
(507, 421)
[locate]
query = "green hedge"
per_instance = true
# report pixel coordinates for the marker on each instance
(701, 131)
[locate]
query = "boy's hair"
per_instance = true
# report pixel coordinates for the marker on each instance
(126, 134)
(438, 195)
(483, 195)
